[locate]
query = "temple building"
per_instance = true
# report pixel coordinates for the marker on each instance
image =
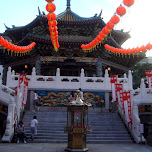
(73, 32)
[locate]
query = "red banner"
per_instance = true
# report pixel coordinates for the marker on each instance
(113, 79)
(149, 78)
(127, 106)
(25, 91)
(21, 79)
(119, 95)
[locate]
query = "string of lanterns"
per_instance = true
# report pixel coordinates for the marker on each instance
(120, 11)
(51, 16)
(14, 48)
(129, 51)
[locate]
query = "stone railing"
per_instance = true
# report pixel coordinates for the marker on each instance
(142, 95)
(15, 108)
(6, 94)
(133, 128)
(68, 82)
(139, 96)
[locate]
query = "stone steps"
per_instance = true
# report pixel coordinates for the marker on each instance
(106, 127)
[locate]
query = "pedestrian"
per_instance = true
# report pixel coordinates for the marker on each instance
(72, 97)
(21, 132)
(33, 127)
(35, 102)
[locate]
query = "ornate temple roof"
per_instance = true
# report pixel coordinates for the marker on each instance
(73, 30)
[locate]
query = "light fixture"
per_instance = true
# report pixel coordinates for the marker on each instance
(26, 66)
(109, 68)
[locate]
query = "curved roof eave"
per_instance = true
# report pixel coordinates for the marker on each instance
(79, 18)
(23, 27)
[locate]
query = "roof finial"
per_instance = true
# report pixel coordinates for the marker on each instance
(6, 26)
(100, 13)
(68, 4)
(39, 11)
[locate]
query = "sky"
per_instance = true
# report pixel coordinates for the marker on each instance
(137, 20)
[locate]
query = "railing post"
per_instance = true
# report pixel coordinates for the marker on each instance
(33, 78)
(125, 86)
(107, 80)
(8, 81)
(142, 89)
(57, 79)
(9, 131)
(82, 81)
(130, 84)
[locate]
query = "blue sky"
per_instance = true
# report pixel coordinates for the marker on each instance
(137, 20)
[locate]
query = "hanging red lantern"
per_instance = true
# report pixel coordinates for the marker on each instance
(53, 28)
(50, 7)
(121, 11)
(1, 39)
(110, 25)
(49, 0)
(128, 2)
(115, 19)
(105, 30)
(96, 40)
(51, 16)
(149, 46)
(142, 48)
(102, 34)
(99, 38)
(52, 23)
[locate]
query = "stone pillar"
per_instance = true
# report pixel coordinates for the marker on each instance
(38, 66)
(31, 94)
(106, 100)
(99, 67)
(4, 75)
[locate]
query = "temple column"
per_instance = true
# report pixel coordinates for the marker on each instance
(106, 100)
(38, 66)
(99, 67)
(5, 68)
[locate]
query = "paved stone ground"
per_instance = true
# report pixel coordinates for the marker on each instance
(47, 147)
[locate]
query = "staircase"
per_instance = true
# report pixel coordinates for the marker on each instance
(106, 127)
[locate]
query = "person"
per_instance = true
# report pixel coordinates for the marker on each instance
(33, 127)
(21, 132)
(72, 98)
(35, 101)
(81, 95)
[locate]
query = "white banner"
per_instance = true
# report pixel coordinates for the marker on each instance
(113, 92)
(126, 110)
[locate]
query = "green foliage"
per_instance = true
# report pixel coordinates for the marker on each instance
(139, 72)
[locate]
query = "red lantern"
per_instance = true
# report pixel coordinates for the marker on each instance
(49, 0)
(121, 11)
(50, 7)
(96, 40)
(102, 34)
(110, 25)
(99, 38)
(82, 46)
(142, 48)
(149, 46)
(52, 23)
(105, 30)
(1, 39)
(115, 19)
(51, 16)
(128, 2)
(53, 28)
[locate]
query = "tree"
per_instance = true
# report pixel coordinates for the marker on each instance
(139, 73)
